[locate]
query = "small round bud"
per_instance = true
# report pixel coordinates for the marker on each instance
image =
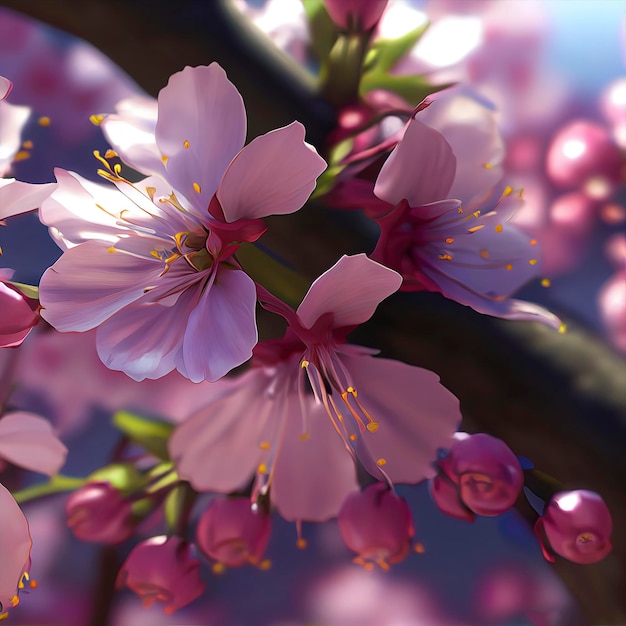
(356, 15)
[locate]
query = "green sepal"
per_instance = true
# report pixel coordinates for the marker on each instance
(321, 28)
(125, 477)
(385, 53)
(177, 506)
(148, 433)
(30, 291)
(413, 88)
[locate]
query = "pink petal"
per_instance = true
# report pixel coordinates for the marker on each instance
(15, 544)
(17, 197)
(420, 169)
(221, 330)
(17, 315)
(88, 284)
(5, 87)
(312, 476)
(350, 290)
(273, 175)
(131, 134)
(416, 415)
(218, 449)
(200, 106)
(27, 440)
(12, 121)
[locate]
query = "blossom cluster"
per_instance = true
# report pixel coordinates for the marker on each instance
(155, 276)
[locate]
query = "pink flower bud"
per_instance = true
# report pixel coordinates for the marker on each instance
(578, 526)
(162, 569)
(487, 474)
(355, 14)
(234, 532)
(446, 496)
(582, 155)
(377, 525)
(98, 512)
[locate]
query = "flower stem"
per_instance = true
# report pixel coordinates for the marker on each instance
(57, 484)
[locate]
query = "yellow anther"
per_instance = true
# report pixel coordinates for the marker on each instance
(196, 187)
(372, 427)
(155, 254)
(44, 121)
(33, 584)
(21, 585)
(419, 548)
(498, 228)
(262, 468)
(475, 228)
(186, 144)
(22, 155)
(382, 564)
(460, 210)
(15, 600)
(150, 191)
(562, 328)
(164, 158)
(304, 436)
(533, 242)
(532, 262)
(265, 564)
(111, 249)
(264, 445)
(111, 154)
(545, 282)
(449, 240)
(445, 257)
(304, 364)
(484, 254)
(218, 568)
(368, 567)
(352, 437)
(96, 120)
(381, 462)
(3, 616)
(302, 543)
(351, 390)
(117, 168)
(476, 213)
(507, 192)
(508, 267)
(27, 145)
(488, 166)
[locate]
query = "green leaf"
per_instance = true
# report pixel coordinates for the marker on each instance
(385, 53)
(29, 291)
(413, 88)
(149, 434)
(323, 31)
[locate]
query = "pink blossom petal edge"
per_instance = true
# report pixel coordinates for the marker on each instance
(17, 197)
(350, 290)
(5, 87)
(28, 441)
(273, 175)
(199, 108)
(420, 169)
(221, 330)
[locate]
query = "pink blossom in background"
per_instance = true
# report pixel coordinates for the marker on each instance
(28, 441)
(577, 525)
(612, 296)
(376, 524)
(613, 105)
(15, 544)
(162, 569)
(281, 418)
(170, 295)
(234, 532)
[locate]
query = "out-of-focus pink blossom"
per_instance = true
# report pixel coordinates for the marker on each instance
(485, 474)
(613, 104)
(577, 525)
(443, 236)
(234, 532)
(162, 569)
(98, 512)
(28, 441)
(19, 313)
(377, 524)
(612, 303)
(311, 404)
(582, 155)
(15, 544)
(153, 270)
(356, 15)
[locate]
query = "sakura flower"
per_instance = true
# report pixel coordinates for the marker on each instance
(453, 244)
(28, 441)
(162, 569)
(15, 544)
(311, 404)
(19, 313)
(151, 265)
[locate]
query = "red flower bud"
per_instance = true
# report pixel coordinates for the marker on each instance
(357, 15)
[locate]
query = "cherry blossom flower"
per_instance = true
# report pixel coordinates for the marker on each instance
(234, 532)
(376, 524)
(28, 441)
(446, 234)
(15, 545)
(162, 569)
(301, 439)
(152, 267)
